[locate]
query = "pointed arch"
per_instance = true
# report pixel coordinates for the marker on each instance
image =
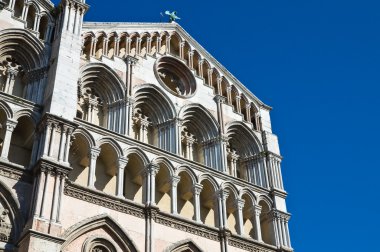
(104, 222)
(184, 246)
(247, 192)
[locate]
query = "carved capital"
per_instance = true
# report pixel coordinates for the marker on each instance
(197, 189)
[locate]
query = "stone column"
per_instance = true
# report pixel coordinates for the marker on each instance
(197, 189)
(150, 183)
(181, 50)
(191, 60)
(94, 153)
(122, 163)
(248, 112)
(37, 19)
(222, 206)
(238, 108)
(174, 193)
(11, 125)
(256, 211)
(239, 206)
(229, 98)
(209, 74)
(200, 67)
(131, 62)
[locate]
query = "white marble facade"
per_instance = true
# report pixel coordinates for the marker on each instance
(129, 137)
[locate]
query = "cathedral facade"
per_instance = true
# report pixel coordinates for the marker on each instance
(129, 137)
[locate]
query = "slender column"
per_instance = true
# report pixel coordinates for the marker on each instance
(61, 187)
(168, 45)
(200, 67)
(55, 128)
(248, 112)
(174, 183)
(151, 172)
(222, 202)
(149, 45)
(177, 126)
(181, 50)
(69, 133)
(105, 46)
(120, 176)
(238, 108)
(37, 19)
(191, 60)
(54, 206)
(256, 215)
(209, 74)
(229, 98)
(131, 61)
(43, 201)
(94, 153)
(11, 125)
(94, 41)
(239, 206)
(197, 189)
(25, 11)
(116, 46)
(62, 131)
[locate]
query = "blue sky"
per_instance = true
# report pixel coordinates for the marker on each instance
(317, 63)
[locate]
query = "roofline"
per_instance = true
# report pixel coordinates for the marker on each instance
(176, 27)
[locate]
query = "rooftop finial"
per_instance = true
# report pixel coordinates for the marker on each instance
(172, 16)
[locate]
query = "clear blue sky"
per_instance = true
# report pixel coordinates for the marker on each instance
(317, 63)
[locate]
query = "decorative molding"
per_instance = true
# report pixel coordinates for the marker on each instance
(187, 226)
(100, 199)
(14, 172)
(249, 245)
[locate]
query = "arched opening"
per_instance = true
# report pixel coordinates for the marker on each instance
(232, 213)
(87, 45)
(224, 86)
(175, 45)
(162, 190)
(205, 68)
(31, 17)
(144, 45)
(242, 159)
(133, 48)
(267, 229)
(3, 128)
(111, 44)
(234, 94)
(123, 46)
(255, 118)
(154, 43)
(106, 169)
(19, 6)
(248, 217)
(208, 204)
(98, 101)
(44, 21)
(79, 160)
(12, 77)
(99, 47)
(243, 106)
(163, 44)
(198, 129)
(214, 81)
(185, 199)
(152, 114)
(133, 180)
(20, 150)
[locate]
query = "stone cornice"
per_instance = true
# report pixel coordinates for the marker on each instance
(105, 200)
(15, 172)
(249, 245)
(122, 26)
(51, 167)
(20, 102)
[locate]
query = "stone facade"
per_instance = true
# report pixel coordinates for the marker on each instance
(129, 137)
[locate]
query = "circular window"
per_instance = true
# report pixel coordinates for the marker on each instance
(175, 76)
